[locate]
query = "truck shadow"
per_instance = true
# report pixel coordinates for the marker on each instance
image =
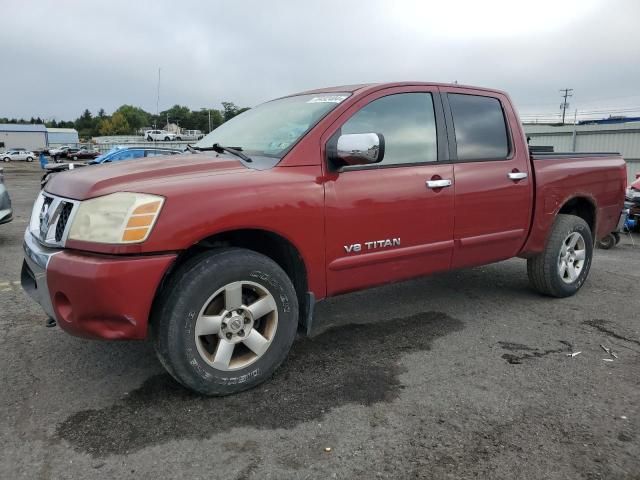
(350, 364)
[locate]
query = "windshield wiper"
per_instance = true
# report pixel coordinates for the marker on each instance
(216, 147)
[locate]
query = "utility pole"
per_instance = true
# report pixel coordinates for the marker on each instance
(568, 92)
(209, 120)
(158, 100)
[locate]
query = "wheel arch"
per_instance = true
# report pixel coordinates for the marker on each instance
(273, 245)
(583, 207)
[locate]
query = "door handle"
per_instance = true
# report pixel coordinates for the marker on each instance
(517, 175)
(439, 183)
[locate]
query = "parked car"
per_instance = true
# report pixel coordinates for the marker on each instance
(83, 153)
(69, 152)
(63, 152)
(219, 258)
(162, 135)
(131, 153)
(190, 135)
(115, 155)
(6, 212)
(55, 152)
(11, 155)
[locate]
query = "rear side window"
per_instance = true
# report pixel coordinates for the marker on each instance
(408, 123)
(481, 131)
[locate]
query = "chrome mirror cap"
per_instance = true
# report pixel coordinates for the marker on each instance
(361, 148)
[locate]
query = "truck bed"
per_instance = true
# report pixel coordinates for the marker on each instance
(558, 155)
(597, 177)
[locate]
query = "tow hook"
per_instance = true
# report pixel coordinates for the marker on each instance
(50, 323)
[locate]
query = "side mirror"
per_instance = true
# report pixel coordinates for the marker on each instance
(360, 148)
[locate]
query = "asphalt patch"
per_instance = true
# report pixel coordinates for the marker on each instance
(352, 364)
(531, 351)
(601, 325)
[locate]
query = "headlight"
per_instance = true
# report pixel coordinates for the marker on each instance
(121, 217)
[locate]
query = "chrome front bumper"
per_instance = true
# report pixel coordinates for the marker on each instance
(34, 272)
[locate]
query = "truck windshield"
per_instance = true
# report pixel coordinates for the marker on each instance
(272, 128)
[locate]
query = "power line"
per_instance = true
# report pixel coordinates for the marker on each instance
(588, 111)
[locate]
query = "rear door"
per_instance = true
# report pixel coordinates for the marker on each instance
(493, 184)
(383, 222)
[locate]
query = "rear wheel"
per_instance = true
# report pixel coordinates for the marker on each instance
(166, 139)
(29, 159)
(561, 269)
(617, 236)
(608, 242)
(225, 322)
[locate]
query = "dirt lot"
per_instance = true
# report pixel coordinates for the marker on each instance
(463, 375)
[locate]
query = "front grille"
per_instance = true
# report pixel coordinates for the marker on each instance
(63, 218)
(50, 219)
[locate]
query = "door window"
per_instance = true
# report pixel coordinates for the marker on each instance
(479, 123)
(407, 121)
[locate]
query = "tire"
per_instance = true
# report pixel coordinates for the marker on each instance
(6, 159)
(29, 159)
(166, 139)
(178, 138)
(200, 285)
(74, 158)
(617, 236)
(557, 271)
(149, 139)
(608, 242)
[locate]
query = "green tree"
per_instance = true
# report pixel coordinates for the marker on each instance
(116, 125)
(135, 116)
(177, 114)
(230, 110)
(85, 124)
(200, 119)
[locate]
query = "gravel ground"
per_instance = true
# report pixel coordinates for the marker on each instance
(462, 375)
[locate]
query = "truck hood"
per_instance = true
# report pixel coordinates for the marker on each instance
(145, 175)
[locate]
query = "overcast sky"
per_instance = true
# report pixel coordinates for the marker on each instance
(59, 57)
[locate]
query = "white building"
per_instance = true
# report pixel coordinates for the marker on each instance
(623, 138)
(35, 137)
(30, 137)
(62, 136)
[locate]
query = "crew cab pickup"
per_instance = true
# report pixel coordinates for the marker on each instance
(219, 256)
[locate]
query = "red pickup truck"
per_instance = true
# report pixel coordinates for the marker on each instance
(219, 256)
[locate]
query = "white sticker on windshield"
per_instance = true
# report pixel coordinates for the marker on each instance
(328, 99)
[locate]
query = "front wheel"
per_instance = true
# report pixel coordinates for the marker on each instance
(6, 159)
(166, 139)
(561, 269)
(226, 320)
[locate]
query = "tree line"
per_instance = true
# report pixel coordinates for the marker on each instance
(127, 120)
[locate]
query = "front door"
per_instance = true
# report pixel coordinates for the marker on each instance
(390, 221)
